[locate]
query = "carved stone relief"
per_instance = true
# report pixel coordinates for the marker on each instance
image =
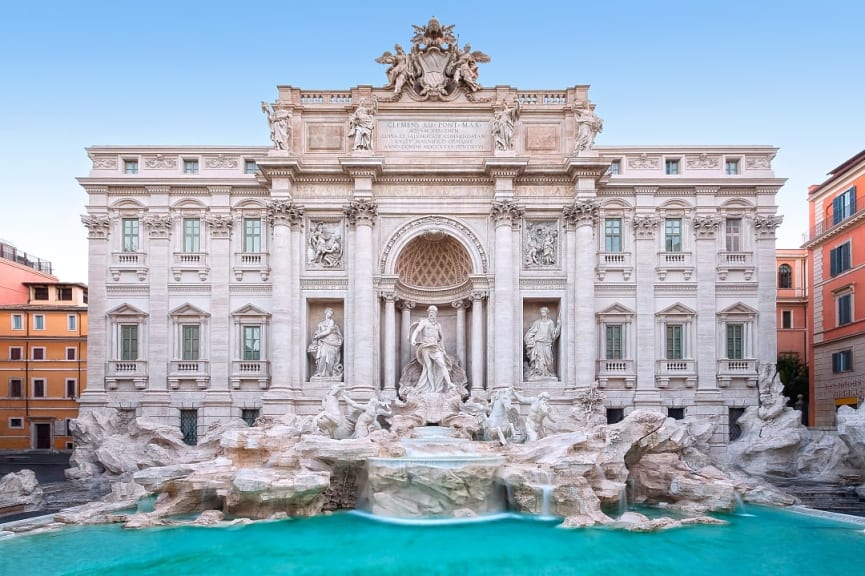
(541, 245)
(703, 162)
(160, 162)
(325, 245)
(643, 162)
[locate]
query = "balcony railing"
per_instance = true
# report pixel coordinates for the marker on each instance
(679, 261)
(746, 367)
(194, 261)
(258, 370)
(126, 368)
(612, 368)
(129, 260)
(824, 226)
(198, 370)
(251, 262)
(614, 261)
(674, 368)
(728, 261)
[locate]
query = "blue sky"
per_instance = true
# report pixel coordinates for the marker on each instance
(75, 74)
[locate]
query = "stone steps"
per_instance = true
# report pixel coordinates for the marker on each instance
(829, 497)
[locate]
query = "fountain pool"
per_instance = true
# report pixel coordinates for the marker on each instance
(767, 541)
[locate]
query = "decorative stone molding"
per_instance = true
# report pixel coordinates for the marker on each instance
(645, 227)
(98, 226)
(160, 162)
(220, 225)
(284, 213)
(324, 284)
(104, 162)
(582, 213)
(361, 212)
(705, 227)
(220, 162)
(506, 213)
(643, 162)
(765, 226)
(703, 162)
(758, 162)
(158, 225)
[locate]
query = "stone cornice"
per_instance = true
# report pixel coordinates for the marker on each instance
(505, 167)
(362, 167)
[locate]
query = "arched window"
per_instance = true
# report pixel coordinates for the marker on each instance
(785, 276)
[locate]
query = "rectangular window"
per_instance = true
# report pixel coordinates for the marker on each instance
(839, 259)
(250, 167)
(71, 322)
(674, 342)
(249, 415)
(37, 353)
(842, 361)
(735, 341)
(191, 235)
(252, 342)
(671, 166)
(676, 413)
(16, 390)
(731, 166)
(190, 166)
(615, 342)
(252, 235)
(673, 235)
(16, 353)
(189, 426)
(191, 335)
(615, 167)
(129, 342)
(40, 292)
(39, 322)
(844, 304)
(64, 293)
(39, 388)
(844, 205)
(16, 423)
(130, 166)
(613, 235)
(17, 322)
(71, 388)
(130, 234)
(68, 431)
(71, 353)
(787, 319)
(733, 234)
(615, 415)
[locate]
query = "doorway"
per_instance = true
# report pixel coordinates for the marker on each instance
(42, 436)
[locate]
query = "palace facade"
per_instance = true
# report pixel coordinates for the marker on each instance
(239, 281)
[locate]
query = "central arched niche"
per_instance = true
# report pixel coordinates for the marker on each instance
(435, 266)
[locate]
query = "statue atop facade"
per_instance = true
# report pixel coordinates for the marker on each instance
(589, 125)
(326, 348)
(539, 341)
(280, 125)
(362, 123)
(504, 124)
(435, 67)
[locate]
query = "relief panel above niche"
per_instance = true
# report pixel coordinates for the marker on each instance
(324, 137)
(543, 138)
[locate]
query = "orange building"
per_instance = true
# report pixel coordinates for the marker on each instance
(792, 302)
(43, 364)
(16, 268)
(836, 256)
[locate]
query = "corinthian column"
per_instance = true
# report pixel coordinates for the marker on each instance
(155, 400)
(404, 343)
(582, 215)
(477, 382)
(389, 356)
(361, 215)
(219, 391)
(645, 227)
(767, 342)
(460, 306)
(705, 253)
(281, 215)
(506, 215)
(98, 229)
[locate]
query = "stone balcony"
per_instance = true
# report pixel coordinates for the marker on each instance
(739, 369)
(615, 262)
(196, 370)
(131, 370)
(682, 262)
(128, 262)
(195, 262)
(255, 262)
(250, 370)
(668, 370)
(621, 370)
(735, 261)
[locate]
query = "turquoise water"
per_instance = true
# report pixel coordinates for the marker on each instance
(769, 542)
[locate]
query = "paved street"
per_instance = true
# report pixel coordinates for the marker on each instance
(48, 466)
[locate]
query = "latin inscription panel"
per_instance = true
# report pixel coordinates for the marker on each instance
(433, 136)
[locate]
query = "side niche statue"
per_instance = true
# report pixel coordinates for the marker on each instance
(326, 348)
(589, 125)
(539, 341)
(362, 123)
(280, 125)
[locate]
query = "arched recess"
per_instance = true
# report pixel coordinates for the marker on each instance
(433, 225)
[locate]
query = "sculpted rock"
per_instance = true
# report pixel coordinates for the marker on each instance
(20, 492)
(769, 447)
(851, 430)
(636, 522)
(263, 492)
(666, 478)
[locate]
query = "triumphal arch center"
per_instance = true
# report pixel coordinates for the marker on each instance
(429, 236)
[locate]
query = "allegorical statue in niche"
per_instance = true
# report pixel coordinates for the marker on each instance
(326, 347)
(280, 126)
(539, 341)
(504, 124)
(431, 355)
(362, 123)
(588, 126)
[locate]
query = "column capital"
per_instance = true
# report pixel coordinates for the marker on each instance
(406, 305)
(645, 226)
(506, 213)
(459, 304)
(582, 213)
(98, 225)
(361, 212)
(220, 225)
(388, 297)
(764, 226)
(158, 225)
(284, 213)
(706, 226)
(479, 295)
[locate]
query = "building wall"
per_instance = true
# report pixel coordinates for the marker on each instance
(12, 281)
(834, 334)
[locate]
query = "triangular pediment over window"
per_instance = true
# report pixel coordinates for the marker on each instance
(250, 311)
(188, 310)
(616, 310)
(677, 310)
(738, 309)
(127, 310)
